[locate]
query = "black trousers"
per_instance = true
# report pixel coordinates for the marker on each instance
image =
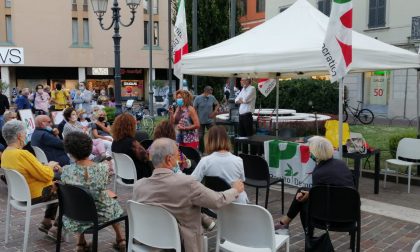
(246, 128)
(47, 195)
(201, 132)
(298, 207)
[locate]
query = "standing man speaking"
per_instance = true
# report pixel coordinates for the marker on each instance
(246, 98)
(206, 106)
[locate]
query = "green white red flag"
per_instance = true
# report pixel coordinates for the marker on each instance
(266, 86)
(180, 40)
(337, 47)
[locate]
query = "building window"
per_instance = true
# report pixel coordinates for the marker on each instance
(9, 34)
(377, 13)
(260, 5)
(86, 31)
(74, 5)
(324, 6)
(155, 33)
(242, 7)
(146, 34)
(155, 6)
(85, 5)
(415, 28)
(8, 3)
(75, 31)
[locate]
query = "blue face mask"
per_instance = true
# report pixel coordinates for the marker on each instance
(176, 169)
(48, 128)
(27, 140)
(180, 102)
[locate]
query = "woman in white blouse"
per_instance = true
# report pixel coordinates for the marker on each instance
(220, 161)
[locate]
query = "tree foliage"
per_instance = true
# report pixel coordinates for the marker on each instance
(212, 28)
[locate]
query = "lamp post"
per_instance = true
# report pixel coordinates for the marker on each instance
(99, 8)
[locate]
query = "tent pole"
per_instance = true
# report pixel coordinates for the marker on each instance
(418, 103)
(277, 104)
(340, 117)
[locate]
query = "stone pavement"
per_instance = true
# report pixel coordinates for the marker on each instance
(379, 232)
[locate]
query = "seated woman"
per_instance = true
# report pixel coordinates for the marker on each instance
(73, 125)
(220, 162)
(94, 177)
(166, 129)
(101, 129)
(328, 171)
(83, 117)
(38, 176)
(124, 131)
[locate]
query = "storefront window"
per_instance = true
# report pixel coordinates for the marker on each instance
(378, 87)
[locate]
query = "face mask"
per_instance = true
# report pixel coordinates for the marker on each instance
(102, 93)
(73, 118)
(58, 88)
(313, 157)
(26, 141)
(81, 88)
(101, 119)
(40, 91)
(176, 169)
(72, 160)
(48, 128)
(180, 102)
(84, 116)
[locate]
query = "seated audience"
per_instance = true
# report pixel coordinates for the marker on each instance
(7, 116)
(83, 118)
(46, 138)
(328, 171)
(94, 177)
(38, 176)
(167, 130)
(72, 125)
(180, 194)
(123, 131)
(220, 162)
(101, 129)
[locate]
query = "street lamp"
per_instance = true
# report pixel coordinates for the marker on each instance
(99, 8)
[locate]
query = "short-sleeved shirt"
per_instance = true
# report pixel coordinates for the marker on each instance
(204, 106)
(100, 131)
(60, 97)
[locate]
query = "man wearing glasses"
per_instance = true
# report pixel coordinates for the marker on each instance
(46, 138)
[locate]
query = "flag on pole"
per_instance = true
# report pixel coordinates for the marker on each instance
(337, 47)
(266, 86)
(180, 40)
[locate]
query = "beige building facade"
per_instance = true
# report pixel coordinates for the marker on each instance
(388, 93)
(61, 41)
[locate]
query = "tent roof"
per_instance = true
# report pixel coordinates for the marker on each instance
(289, 43)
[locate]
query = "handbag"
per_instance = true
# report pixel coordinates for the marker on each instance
(319, 244)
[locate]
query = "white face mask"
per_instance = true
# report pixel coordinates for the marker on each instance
(103, 93)
(82, 88)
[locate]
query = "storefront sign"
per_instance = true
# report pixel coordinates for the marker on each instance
(378, 90)
(11, 56)
(99, 71)
(132, 89)
(131, 71)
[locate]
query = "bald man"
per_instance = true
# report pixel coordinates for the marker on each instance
(45, 137)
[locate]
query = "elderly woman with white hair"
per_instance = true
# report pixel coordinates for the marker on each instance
(328, 171)
(38, 176)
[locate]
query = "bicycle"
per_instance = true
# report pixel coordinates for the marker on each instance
(365, 116)
(142, 114)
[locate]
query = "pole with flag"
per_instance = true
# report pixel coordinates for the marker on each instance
(180, 40)
(337, 51)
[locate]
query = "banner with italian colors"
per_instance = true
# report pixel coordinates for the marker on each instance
(180, 40)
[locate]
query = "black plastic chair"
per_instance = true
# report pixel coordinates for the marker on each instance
(216, 184)
(257, 175)
(76, 202)
(146, 143)
(337, 209)
(193, 155)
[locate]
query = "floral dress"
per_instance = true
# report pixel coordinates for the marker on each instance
(98, 177)
(187, 138)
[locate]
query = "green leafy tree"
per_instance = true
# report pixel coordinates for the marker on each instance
(212, 28)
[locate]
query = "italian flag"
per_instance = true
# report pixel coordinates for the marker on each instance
(180, 40)
(337, 47)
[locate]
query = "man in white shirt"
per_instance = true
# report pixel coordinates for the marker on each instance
(246, 98)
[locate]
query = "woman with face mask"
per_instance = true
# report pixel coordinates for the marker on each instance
(103, 98)
(185, 119)
(70, 115)
(40, 100)
(38, 176)
(83, 98)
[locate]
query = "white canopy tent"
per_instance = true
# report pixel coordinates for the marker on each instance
(288, 44)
